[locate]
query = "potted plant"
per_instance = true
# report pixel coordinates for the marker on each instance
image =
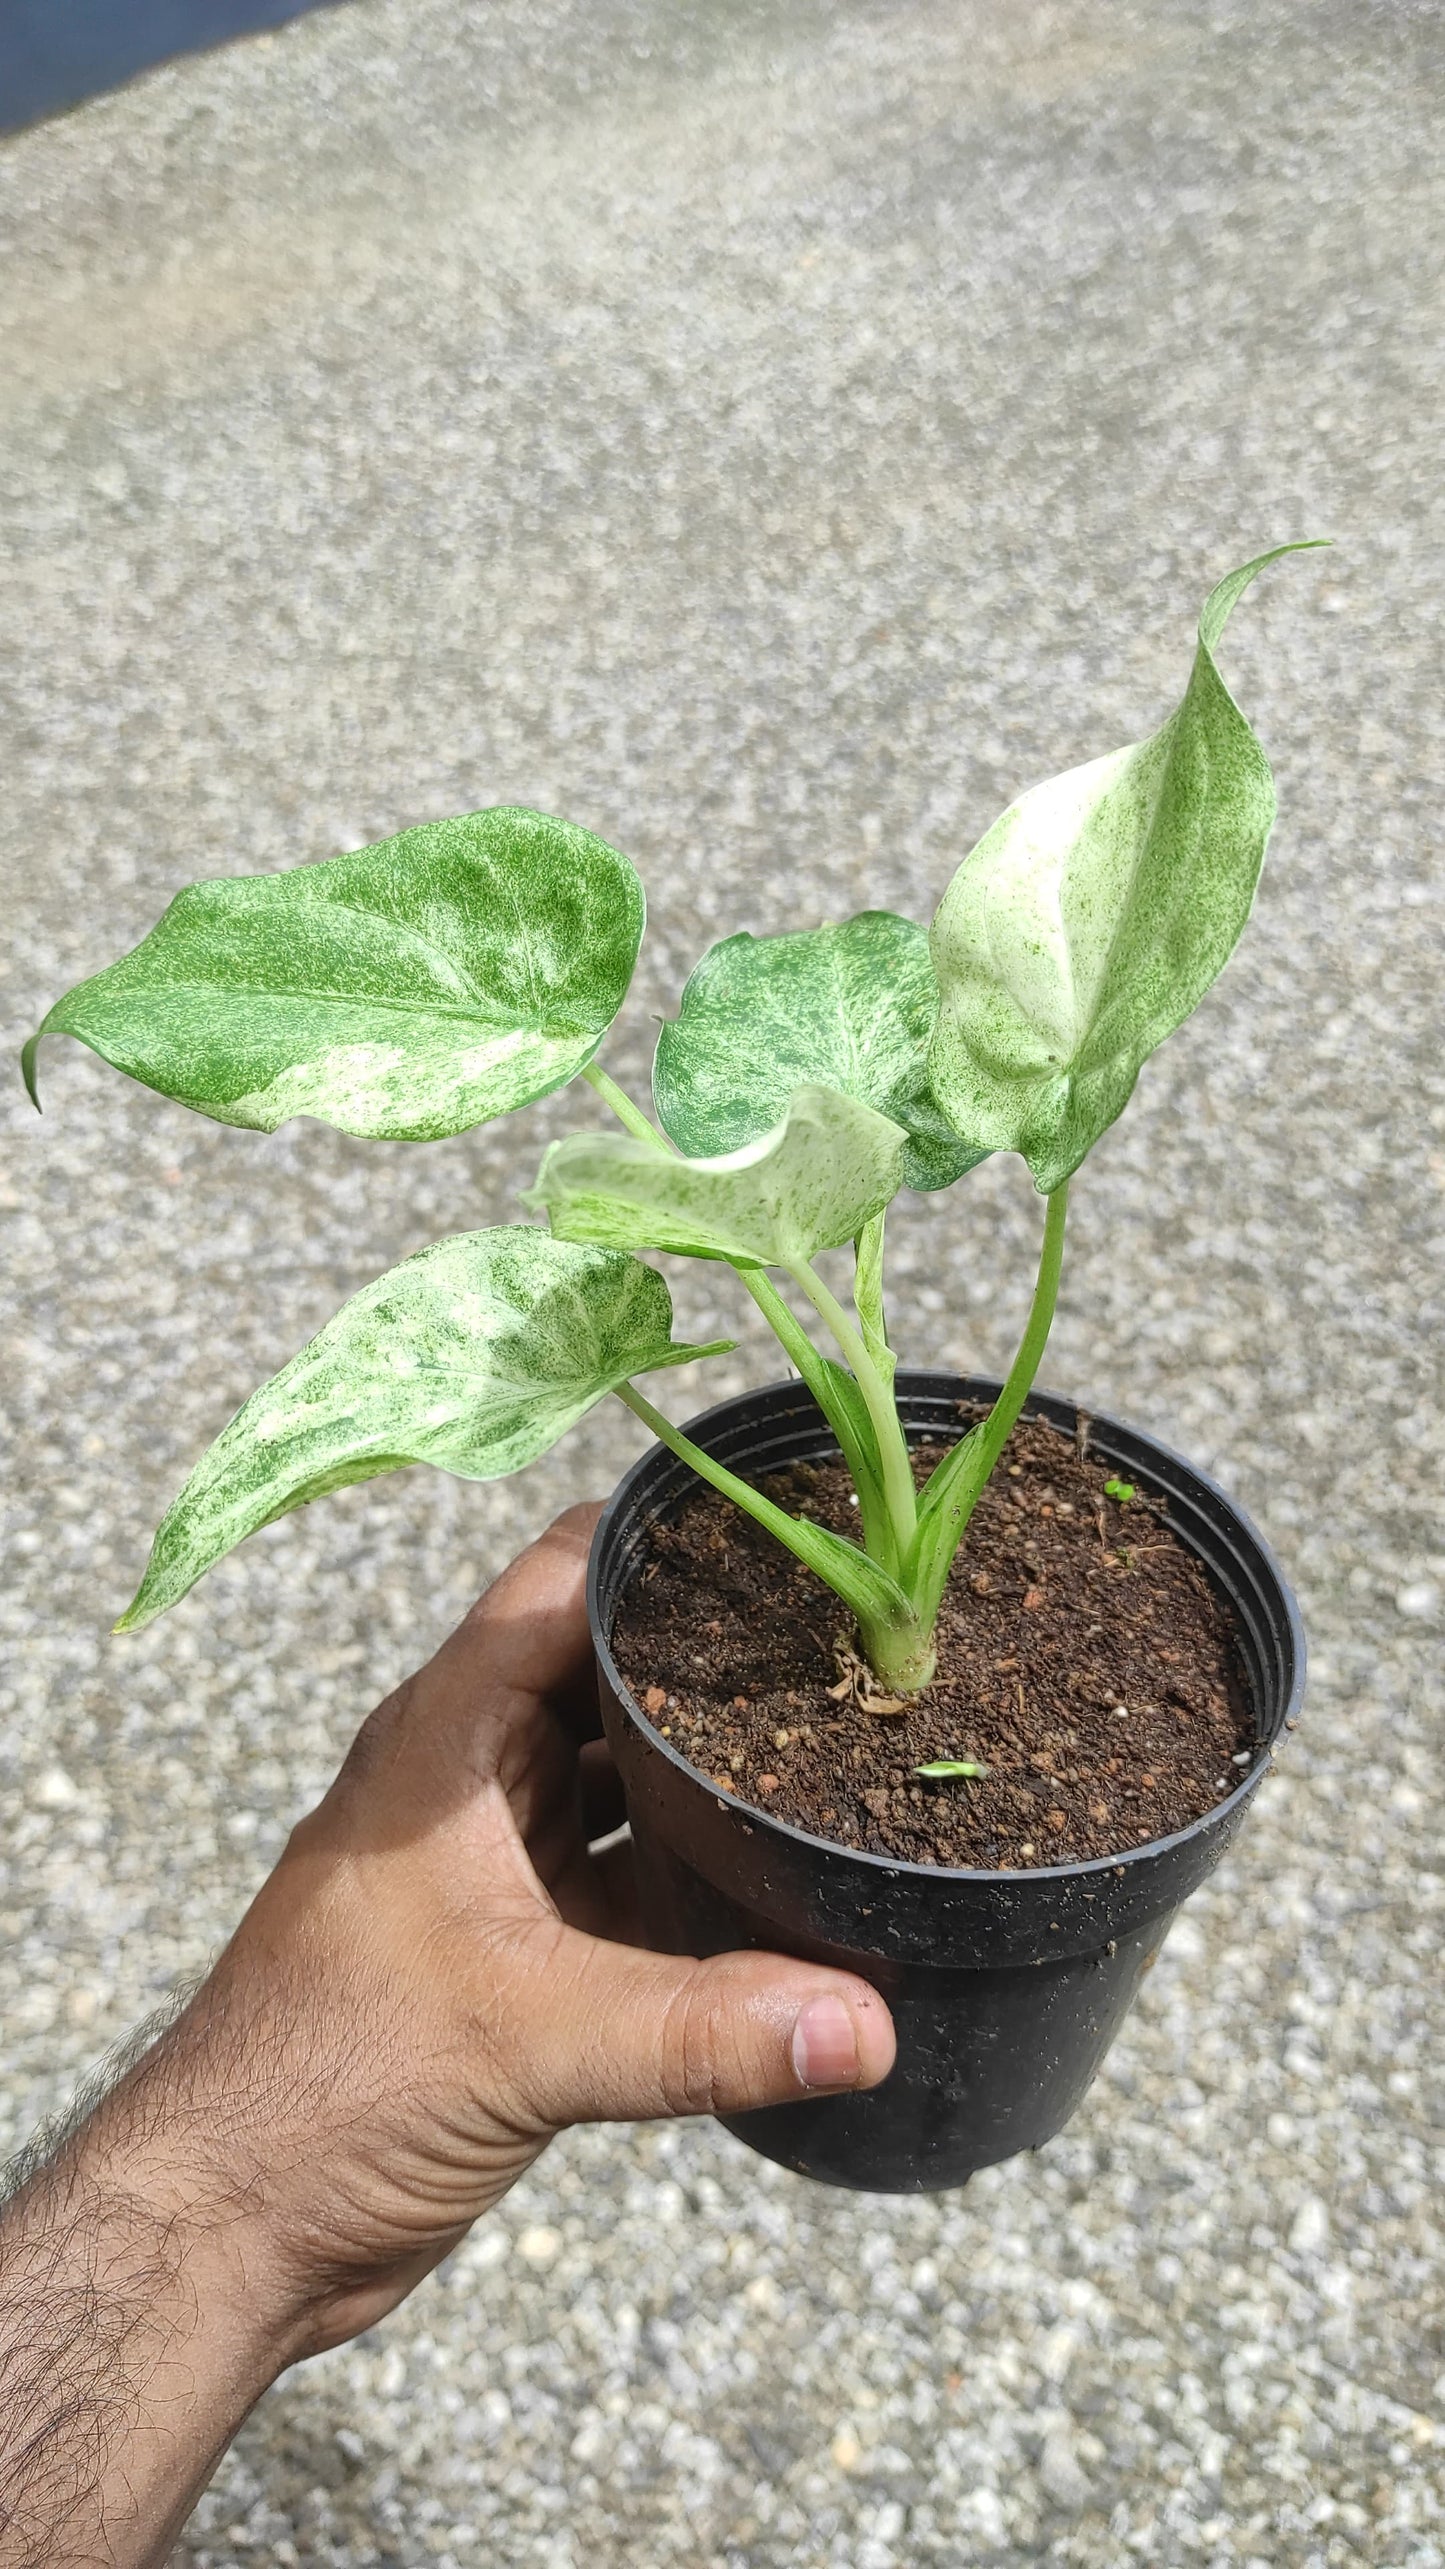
(928, 1675)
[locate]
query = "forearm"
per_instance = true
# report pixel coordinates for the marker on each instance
(135, 2334)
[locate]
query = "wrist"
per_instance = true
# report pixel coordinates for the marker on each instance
(155, 2176)
(238, 2133)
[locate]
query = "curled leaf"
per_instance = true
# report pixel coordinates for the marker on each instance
(810, 1184)
(1092, 918)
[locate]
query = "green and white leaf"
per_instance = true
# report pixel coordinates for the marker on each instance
(476, 1355)
(945, 1504)
(1092, 918)
(808, 1185)
(850, 1008)
(410, 990)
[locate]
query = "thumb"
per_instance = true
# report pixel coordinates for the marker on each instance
(620, 2035)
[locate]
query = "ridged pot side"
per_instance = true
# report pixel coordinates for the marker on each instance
(1006, 1988)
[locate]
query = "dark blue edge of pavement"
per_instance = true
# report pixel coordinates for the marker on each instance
(54, 54)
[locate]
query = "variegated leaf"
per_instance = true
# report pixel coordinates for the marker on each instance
(476, 1354)
(850, 1008)
(411, 990)
(810, 1184)
(1092, 918)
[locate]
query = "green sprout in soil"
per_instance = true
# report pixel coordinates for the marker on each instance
(416, 989)
(1123, 1491)
(941, 1767)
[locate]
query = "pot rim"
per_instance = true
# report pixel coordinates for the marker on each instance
(887, 1867)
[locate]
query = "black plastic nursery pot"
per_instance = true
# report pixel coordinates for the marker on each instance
(1006, 1988)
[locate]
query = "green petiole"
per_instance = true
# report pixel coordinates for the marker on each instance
(953, 1490)
(896, 1469)
(623, 1107)
(832, 1389)
(909, 1541)
(893, 1637)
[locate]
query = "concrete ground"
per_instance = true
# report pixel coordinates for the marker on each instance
(773, 436)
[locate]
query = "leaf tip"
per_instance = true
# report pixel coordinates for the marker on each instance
(28, 1059)
(140, 1611)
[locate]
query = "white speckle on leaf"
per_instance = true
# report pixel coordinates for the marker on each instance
(478, 1059)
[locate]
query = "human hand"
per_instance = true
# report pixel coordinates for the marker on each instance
(437, 1978)
(438, 1974)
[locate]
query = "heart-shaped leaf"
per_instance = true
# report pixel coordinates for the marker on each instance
(411, 990)
(849, 1008)
(1092, 918)
(476, 1354)
(811, 1184)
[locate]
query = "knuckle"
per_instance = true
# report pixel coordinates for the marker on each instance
(377, 1734)
(521, 1954)
(696, 2051)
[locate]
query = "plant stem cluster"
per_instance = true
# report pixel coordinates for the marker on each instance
(910, 1535)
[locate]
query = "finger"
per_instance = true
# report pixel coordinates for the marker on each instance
(618, 2035)
(526, 1640)
(604, 1805)
(530, 1627)
(615, 1871)
(597, 1891)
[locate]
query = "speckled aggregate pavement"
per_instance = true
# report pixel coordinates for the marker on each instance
(771, 436)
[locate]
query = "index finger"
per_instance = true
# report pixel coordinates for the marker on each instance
(529, 1631)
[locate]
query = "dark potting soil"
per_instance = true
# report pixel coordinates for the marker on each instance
(1083, 1658)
